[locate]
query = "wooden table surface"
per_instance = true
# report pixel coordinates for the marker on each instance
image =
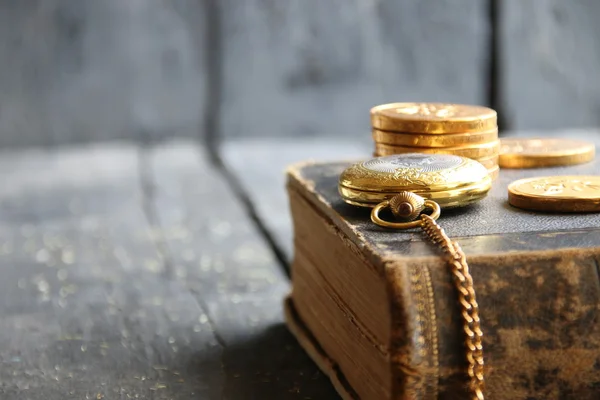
(133, 272)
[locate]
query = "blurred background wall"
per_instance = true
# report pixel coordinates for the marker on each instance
(91, 70)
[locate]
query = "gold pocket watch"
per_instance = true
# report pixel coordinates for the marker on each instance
(409, 184)
(438, 181)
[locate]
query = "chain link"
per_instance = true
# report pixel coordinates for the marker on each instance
(467, 300)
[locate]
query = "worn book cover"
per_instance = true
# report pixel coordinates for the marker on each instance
(377, 309)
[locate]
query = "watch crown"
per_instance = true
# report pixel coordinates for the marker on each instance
(407, 205)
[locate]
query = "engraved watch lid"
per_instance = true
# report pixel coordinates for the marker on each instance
(448, 179)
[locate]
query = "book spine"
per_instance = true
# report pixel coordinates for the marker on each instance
(414, 344)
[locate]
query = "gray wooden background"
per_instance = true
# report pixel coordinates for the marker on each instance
(94, 70)
(157, 270)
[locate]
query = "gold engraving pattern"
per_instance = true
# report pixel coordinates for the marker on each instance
(432, 118)
(380, 176)
(434, 111)
(459, 182)
(426, 328)
(418, 161)
(423, 110)
(568, 187)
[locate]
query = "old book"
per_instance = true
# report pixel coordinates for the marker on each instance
(377, 309)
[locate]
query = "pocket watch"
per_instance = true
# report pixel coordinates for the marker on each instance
(444, 179)
(408, 184)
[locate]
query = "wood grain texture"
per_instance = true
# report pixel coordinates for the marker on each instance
(233, 276)
(316, 67)
(548, 63)
(84, 71)
(260, 164)
(119, 280)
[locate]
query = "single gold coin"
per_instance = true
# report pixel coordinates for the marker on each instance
(556, 193)
(433, 118)
(544, 152)
(434, 140)
(474, 151)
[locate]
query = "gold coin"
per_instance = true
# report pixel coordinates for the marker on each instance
(544, 152)
(435, 140)
(474, 151)
(556, 193)
(432, 118)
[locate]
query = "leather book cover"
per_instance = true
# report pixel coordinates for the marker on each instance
(536, 275)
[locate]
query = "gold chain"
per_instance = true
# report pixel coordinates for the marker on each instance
(408, 205)
(467, 300)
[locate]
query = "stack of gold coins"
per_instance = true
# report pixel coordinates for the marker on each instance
(463, 130)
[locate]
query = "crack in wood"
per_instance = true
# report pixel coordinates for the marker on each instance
(212, 129)
(148, 190)
(494, 86)
(214, 85)
(250, 208)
